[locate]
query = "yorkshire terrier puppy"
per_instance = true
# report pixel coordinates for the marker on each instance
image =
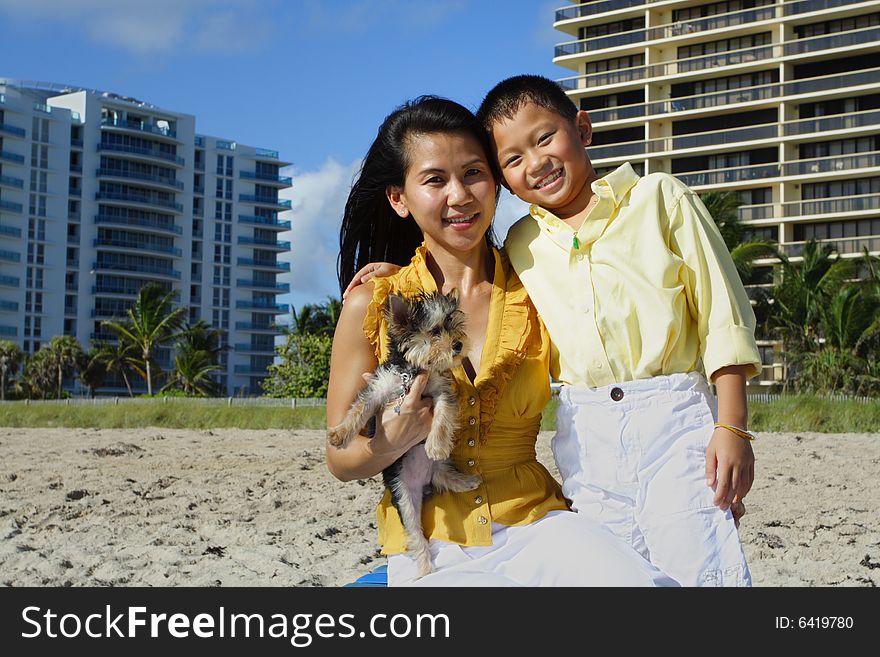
(425, 334)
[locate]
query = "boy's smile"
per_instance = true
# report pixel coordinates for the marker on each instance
(542, 158)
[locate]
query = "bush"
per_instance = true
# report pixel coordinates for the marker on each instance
(304, 369)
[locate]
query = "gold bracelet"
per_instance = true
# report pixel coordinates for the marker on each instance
(742, 433)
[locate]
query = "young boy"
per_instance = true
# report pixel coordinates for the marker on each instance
(637, 289)
(639, 294)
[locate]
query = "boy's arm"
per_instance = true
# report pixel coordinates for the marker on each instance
(730, 462)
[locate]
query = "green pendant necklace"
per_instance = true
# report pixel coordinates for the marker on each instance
(574, 242)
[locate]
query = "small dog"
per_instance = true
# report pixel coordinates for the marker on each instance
(426, 334)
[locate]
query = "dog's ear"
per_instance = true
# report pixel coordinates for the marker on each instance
(398, 310)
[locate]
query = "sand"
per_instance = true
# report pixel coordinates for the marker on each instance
(227, 507)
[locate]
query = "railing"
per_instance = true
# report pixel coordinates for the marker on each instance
(134, 221)
(254, 349)
(10, 230)
(253, 175)
(250, 326)
(755, 212)
(266, 285)
(10, 281)
(272, 244)
(9, 181)
(12, 157)
(266, 264)
(683, 142)
(263, 221)
(831, 164)
(831, 205)
(144, 177)
(12, 130)
(252, 369)
(9, 305)
(141, 127)
(11, 206)
(138, 268)
(792, 8)
(266, 153)
(146, 152)
(829, 123)
(827, 42)
(138, 198)
(590, 8)
(9, 331)
(733, 174)
(264, 200)
(261, 305)
(10, 256)
(856, 245)
(136, 246)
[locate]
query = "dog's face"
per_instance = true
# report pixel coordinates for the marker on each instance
(428, 329)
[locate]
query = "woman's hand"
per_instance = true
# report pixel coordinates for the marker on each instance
(370, 271)
(397, 432)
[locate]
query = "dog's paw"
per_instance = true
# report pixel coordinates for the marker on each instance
(465, 483)
(436, 451)
(336, 437)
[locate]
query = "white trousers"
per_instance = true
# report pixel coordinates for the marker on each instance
(633, 458)
(560, 549)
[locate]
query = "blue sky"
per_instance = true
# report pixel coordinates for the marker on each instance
(312, 79)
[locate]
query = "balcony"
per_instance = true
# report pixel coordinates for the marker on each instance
(137, 268)
(76, 143)
(10, 206)
(137, 126)
(267, 244)
(854, 246)
(140, 199)
(251, 370)
(607, 78)
(251, 327)
(830, 123)
(591, 8)
(10, 231)
(142, 153)
(263, 221)
(15, 158)
(283, 181)
(262, 285)
(145, 178)
(263, 264)
(832, 206)
(794, 8)
(263, 200)
(10, 181)
(10, 256)
(251, 349)
(8, 306)
(869, 35)
(265, 154)
(8, 331)
(261, 305)
(731, 175)
(74, 191)
(7, 129)
(161, 226)
(9, 281)
(128, 245)
(600, 43)
(832, 164)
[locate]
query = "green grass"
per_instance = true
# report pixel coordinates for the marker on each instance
(171, 415)
(793, 413)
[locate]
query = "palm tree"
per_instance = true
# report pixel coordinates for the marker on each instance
(152, 322)
(10, 360)
(92, 368)
(192, 372)
(39, 373)
(201, 336)
(63, 353)
(117, 359)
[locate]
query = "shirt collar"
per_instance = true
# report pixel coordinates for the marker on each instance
(611, 190)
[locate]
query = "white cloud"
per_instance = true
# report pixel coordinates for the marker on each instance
(317, 202)
(156, 26)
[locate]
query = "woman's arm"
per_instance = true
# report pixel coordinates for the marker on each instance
(352, 356)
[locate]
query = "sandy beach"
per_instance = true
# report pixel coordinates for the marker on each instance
(227, 507)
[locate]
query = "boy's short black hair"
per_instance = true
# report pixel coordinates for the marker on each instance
(508, 96)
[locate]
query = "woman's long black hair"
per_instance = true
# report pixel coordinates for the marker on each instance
(371, 230)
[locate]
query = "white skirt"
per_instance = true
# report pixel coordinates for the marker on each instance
(560, 549)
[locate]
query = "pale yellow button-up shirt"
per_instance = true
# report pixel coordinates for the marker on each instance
(649, 288)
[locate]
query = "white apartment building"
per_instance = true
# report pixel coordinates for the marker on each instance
(776, 100)
(101, 194)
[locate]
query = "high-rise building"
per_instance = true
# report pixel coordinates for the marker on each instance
(101, 194)
(776, 101)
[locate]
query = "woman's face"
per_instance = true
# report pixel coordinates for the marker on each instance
(449, 190)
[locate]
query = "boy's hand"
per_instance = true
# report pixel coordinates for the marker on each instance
(730, 468)
(370, 271)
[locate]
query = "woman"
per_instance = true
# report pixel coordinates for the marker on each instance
(427, 176)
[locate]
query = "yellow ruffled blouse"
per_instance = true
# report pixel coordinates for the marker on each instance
(500, 416)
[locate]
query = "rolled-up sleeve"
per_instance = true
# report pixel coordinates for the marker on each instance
(717, 299)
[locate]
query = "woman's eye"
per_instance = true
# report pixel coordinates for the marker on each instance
(473, 172)
(434, 180)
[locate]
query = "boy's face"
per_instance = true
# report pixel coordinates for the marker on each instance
(542, 158)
